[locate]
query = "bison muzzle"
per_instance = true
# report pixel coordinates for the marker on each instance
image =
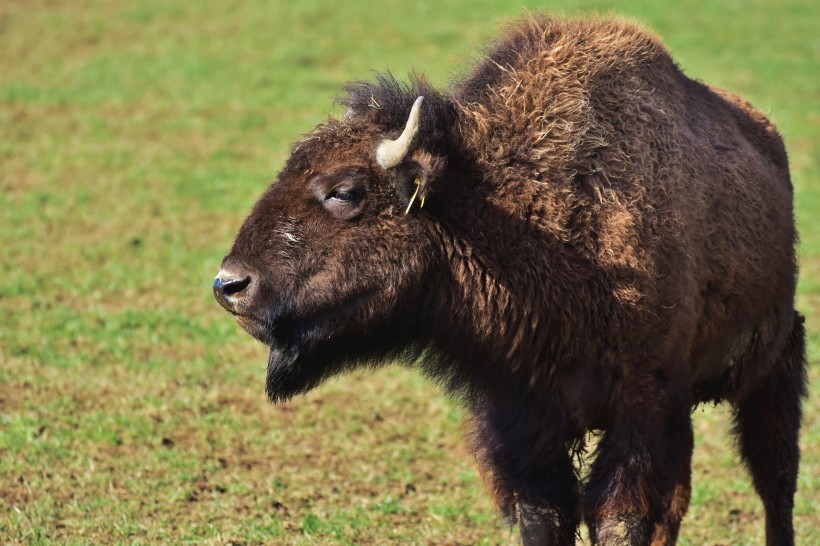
(575, 238)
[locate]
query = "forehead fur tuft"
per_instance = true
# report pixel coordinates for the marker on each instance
(386, 103)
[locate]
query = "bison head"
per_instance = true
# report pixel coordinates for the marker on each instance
(330, 267)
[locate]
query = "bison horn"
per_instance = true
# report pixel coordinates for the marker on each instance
(392, 152)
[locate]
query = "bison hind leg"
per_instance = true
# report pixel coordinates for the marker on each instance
(767, 422)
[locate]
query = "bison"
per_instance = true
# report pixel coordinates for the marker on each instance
(574, 238)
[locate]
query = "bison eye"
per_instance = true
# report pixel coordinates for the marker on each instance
(345, 202)
(344, 195)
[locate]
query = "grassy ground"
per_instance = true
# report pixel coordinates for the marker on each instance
(135, 136)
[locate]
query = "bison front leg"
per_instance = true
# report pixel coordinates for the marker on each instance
(639, 489)
(545, 507)
(529, 470)
(541, 525)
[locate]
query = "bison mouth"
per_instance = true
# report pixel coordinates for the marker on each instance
(306, 349)
(301, 328)
(256, 327)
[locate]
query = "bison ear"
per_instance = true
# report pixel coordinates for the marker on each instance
(415, 179)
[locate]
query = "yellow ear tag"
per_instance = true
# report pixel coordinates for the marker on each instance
(412, 199)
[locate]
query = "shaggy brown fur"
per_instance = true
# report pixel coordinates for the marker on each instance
(605, 243)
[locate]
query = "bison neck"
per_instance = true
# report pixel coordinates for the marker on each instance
(514, 310)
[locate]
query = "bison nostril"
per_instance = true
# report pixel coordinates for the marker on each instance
(226, 288)
(232, 286)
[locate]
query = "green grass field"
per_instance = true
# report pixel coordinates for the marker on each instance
(135, 137)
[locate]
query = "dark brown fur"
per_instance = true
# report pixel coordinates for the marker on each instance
(605, 243)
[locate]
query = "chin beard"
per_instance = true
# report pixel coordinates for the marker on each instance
(291, 372)
(298, 363)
